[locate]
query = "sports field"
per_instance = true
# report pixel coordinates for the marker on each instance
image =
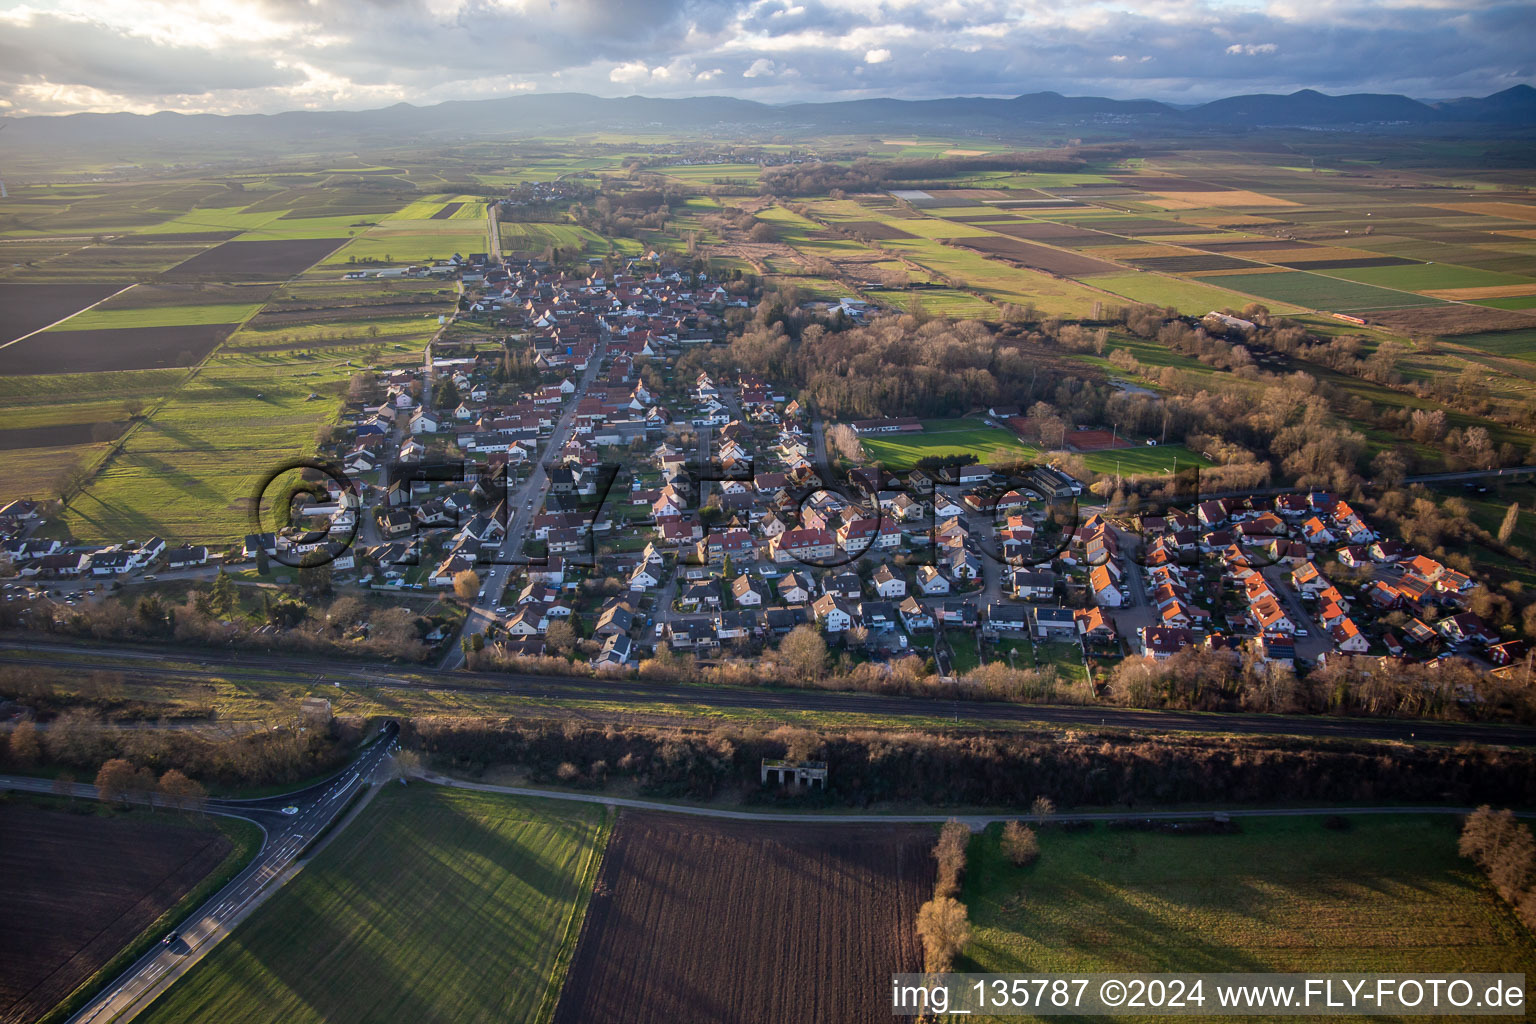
(944, 438)
(1143, 460)
(435, 905)
(1287, 894)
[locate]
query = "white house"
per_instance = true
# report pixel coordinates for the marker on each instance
(888, 584)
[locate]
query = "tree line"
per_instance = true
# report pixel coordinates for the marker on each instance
(976, 768)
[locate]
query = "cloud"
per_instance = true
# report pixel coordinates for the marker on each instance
(248, 55)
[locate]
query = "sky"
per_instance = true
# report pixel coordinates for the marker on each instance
(248, 56)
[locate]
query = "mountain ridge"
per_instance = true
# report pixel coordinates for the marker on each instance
(1513, 108)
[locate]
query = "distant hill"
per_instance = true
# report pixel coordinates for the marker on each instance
(205, 136)
(1512, 106)
(1309, 107)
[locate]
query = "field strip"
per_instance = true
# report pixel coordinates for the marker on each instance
(974, 820)
(71, 316)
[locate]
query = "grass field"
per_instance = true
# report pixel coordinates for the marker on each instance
(1000, 281)
(1314, 291)
(942, 438)
(1144, 460)
(1190, 297)
(435, 905)
(188, 472)
(1391, 894)
(159, 316)
(1430, 276)
(535, 238)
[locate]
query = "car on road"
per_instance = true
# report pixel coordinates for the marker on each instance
(150, 579)
(290, 809)
(501, 609)
(170, 938)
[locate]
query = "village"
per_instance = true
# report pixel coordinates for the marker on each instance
(549, 471)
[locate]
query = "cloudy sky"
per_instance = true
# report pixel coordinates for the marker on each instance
(61, 56)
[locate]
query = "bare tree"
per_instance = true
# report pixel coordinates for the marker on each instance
(944, 928)
(954, 838)
(404, 764)
(466, 584)
(183, 793)
(1511, 520)
(25, 746)
(1019, 843)
(115, 781)
(804, 652)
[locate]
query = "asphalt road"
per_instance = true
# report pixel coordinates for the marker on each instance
(523, 503)
(636, 696)
(975, 821)
(285, 837)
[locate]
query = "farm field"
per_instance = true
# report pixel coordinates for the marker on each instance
(275, 259)
(943, 438)
(1512, 344)
(107, 316)
(79, 887)
(435, 905)
(519, 236)
(122, 348)
(189, 471)
(704, 921)
(1001, 282)
(1189, 297)
(1389, 894)
(1315, 291)
(25, 308)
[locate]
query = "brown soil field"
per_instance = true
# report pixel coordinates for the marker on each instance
(124, 348)
(1142, 226)
(1060, 234)
(1452, 319)
(1197, 264)
(26, 307)
(1350, 263)
(77, 888)
(1256, 245)
(1038, 257)
(269, 260)
(878, 230)
(705, 921)
(446, 212)
(1511, 211)
(1033, 204)
(61, 434)
(1151, 184)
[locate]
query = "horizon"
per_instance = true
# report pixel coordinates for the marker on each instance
(1178, 105)
(259, 56)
